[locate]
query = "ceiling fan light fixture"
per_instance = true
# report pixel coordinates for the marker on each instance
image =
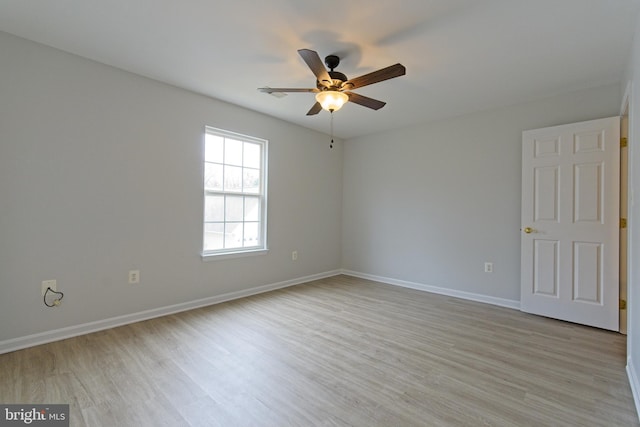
(332, 100)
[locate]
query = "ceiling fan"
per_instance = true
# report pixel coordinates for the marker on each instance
(333, 89)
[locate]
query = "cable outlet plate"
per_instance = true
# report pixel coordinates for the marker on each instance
(53, 284)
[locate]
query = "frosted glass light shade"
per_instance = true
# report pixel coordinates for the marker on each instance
(332, 100)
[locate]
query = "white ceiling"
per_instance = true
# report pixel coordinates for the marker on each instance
(461, 55)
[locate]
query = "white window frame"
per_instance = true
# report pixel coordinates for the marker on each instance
(262, 195)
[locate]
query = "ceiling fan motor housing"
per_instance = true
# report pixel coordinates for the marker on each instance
(338, 78)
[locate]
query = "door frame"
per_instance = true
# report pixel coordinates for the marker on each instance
(626, 110)
(624, 258)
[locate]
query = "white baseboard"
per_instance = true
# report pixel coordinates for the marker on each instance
(635, 385)
(14, 344)
(438, 290)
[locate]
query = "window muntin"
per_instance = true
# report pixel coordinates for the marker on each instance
(234, 193)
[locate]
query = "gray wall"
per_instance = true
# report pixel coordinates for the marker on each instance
(430, 204)
(100, 173)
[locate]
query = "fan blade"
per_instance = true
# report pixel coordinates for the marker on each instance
(317, 67)
(365, 101)
(315, 109)
(390, 72)
(285, 89)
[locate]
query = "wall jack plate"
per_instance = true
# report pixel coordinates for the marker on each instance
(53, 284)
(134, 277)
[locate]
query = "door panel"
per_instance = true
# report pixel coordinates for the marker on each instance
(588, 193)
(587, 272)
(546, 193)
(545, 280)
(570, 217)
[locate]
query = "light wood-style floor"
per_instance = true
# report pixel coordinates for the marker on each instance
(339, 351)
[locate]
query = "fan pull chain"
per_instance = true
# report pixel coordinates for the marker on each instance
(331, 144)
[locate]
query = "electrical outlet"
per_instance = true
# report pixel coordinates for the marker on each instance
(488, 267)
(134, 277)
(53, 284)
(294, 256)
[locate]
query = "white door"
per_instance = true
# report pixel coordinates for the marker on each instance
(570, 222)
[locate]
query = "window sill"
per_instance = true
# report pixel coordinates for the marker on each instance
(231, 255)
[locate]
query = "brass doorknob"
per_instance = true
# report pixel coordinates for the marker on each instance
(528, 230)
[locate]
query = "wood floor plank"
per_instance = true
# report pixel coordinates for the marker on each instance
(340, 351)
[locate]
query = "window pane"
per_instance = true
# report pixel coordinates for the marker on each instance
(251, 209)
(232, 178)
(251, 155)
(233, 152)
(213, 237)
(233, 235)
(234, 208)
(213, 208)
(251, 181)
(213, 146)
(234, 192)
(251, 234)
(212, 177)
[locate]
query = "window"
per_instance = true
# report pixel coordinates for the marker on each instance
(234, 193)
